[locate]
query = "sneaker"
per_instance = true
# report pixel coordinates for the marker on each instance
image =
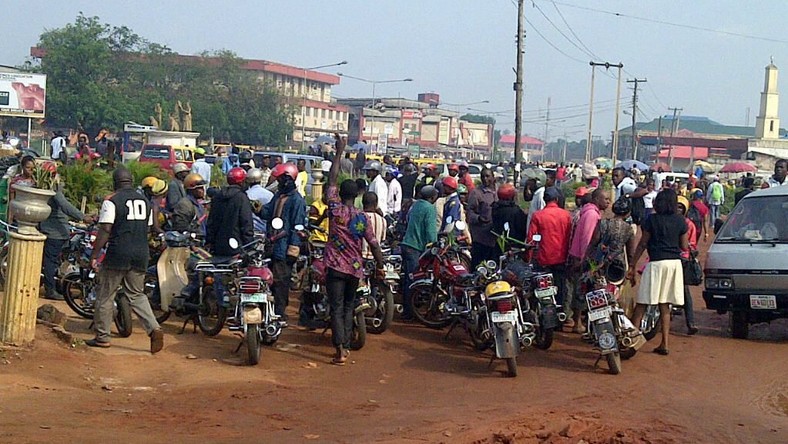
(53, 295)
(96, 343)
(156, 341)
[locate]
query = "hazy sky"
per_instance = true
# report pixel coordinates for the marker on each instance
(464, 49)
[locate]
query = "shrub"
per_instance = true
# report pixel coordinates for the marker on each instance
(92, 183)
(141, 170)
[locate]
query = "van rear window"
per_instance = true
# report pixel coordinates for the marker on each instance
(156, 152)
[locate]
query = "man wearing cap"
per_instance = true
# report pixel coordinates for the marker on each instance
(454, 170)
(200, 166)
(506, 210)
(395, 191)
(378, 185)
(430, 174)
(465, 176)
(176, 192)
(554, 224)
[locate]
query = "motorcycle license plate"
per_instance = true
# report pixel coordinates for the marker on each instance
(546, 293)
(763, 302)
(253, 298)
(91, 274)
(509, 316)
(599, 314)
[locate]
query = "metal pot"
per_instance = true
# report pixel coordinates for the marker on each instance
(30, 207)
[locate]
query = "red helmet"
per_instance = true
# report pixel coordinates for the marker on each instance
(454, 167)
(506, 192)
(284, 168)
(236, 176)
(430, 166)
(449, 182)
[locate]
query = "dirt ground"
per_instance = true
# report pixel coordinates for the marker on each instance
(410, 384)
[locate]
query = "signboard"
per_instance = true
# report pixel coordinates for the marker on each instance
(408, 114)
(383, 142)
(22, 94)
(388, 129)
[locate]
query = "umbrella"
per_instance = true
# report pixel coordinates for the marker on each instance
(658, 165)
(324, 139)
(705, 166)
(738, 167)
(629, 164)
(603, 162)
(360, 146)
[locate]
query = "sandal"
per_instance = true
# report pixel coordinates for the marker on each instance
(661, 351)
(340, 358)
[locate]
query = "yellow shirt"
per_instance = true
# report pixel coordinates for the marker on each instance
(319, 209)
(301, 180)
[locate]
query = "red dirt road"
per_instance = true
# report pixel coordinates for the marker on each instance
(407, 385)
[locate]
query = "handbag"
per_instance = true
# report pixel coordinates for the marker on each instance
(693, 272)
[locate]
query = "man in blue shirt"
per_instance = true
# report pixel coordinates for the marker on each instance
(422, 230)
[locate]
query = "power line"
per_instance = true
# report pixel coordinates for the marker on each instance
(573, 31)
(551, 43)
(678, 25)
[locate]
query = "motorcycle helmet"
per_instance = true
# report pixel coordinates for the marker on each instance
(453, 167)
(449, 183)
(254, 176)
(244, 156)
(285, 168)
(193, 181)
(179, 168)
(506, 192)
(685, 203)
(622, 206)
(236, 176)
(430, 167)
(149, 182)
(536, 174)
(373, 166)
(393, 171)
(159, 188)
(462, 189)
(497, 288)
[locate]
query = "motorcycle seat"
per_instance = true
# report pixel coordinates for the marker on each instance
(221, 261)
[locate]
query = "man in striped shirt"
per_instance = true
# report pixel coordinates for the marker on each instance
(376, 221)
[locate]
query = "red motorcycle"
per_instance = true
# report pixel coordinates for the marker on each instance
(438, 287)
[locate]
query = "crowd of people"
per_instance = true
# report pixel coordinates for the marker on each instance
(581, 243)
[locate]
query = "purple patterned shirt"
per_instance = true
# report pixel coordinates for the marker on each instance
(347, 227)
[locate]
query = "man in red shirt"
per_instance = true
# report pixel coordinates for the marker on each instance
(697, 202)
(554, 224)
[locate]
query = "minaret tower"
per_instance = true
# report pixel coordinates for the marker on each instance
(767, 124)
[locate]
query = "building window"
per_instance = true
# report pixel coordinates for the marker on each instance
(322, 113)
(771, 125)
(331, 114)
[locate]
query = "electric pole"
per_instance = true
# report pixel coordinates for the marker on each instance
(593, 64)
(618, 111)
(634, 115)
(674, 127)
(518, 90)
(546, 127)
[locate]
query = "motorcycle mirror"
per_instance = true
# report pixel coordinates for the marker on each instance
(299, 227)
(460, 225)
(506, 226)
(277, 223)
(449, 220)
(537, 237)
(194, 235)
(233, 243)
(491, 264)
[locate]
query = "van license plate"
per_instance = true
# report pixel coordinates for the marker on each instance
(763, 302)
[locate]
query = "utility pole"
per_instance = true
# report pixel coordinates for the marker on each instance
(563, 150)
(518, 90)
(546, 128)
(593, 64)
(634, 115)
(674, 127)
(618, 111)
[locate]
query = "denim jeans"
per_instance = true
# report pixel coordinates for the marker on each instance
(52, 249)
(341, 289)
(714, 213)
(410, 263)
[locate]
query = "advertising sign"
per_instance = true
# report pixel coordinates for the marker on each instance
(22, 94)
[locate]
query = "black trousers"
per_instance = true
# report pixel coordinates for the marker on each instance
(52, 249)
(281, 270)
(559, 278)
(341, 289)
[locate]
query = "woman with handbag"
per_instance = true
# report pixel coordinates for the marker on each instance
(665, 236)
(687, 257)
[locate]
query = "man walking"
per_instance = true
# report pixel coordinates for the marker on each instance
(124, 222)
(480, 203)
(176, 192)
(716, 198)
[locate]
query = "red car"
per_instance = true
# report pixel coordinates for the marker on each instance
(166, 155)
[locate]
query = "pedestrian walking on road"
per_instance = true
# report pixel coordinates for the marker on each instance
(480, 204)
(124, 222)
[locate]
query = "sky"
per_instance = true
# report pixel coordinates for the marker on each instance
(464, 50)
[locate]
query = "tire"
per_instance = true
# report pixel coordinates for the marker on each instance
(511, 367)
(252, 340)
(154, 298)
(481, 340)
(427, 306)
(652, 317)
(359, 332)
(79, 295)
(123, 315)
(211, 315)
(740, 326)
(614, 363)
(544, 338)
(628, 353)
(384, 311)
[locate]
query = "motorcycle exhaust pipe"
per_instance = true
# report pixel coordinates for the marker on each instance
(526, 341)
(272, 329)
(376, 322)
(562, 316)
(399, 308)
(626, 341)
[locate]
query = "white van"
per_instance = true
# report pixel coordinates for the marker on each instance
(746, 272)
(671, 177)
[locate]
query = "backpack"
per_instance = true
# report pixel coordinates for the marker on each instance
(694, 215)
(716, 192)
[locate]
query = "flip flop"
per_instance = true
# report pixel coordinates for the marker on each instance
(661, 351)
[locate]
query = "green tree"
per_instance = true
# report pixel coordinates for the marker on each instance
(478, 118)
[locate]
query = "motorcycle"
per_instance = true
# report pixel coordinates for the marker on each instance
(315, 311)
(379, 294)
(611, 331)
(437, 286)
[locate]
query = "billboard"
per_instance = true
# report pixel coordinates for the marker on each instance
(22, 94)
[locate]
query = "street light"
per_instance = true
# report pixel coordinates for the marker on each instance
(374, 84)
(303, 100)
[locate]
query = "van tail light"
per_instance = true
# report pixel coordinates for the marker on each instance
(544, 281)
(250, 285)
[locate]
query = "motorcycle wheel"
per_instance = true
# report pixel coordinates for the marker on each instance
(614, 363)
(651, 320)
(480, 333)
(76, 292)
(544, 338)
(511, 367)
(384, 311)
(211, 315)
(154, 298)
(253, 343)
(427, 306)
(123, 315)
(627, 353)
(359, 332)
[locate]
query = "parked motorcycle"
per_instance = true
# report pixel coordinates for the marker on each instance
(613, 333)
(379, 294)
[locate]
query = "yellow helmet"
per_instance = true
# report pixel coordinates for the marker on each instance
(497, 288)
(192, 181)
(684, 201)
(159, 188)
(149, 182)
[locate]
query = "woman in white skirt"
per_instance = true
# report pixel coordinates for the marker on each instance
(664, 236)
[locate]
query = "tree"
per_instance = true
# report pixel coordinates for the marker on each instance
(477, 118)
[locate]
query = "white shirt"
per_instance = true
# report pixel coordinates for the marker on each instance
(648, 199)
(627, 186)
(395, 196)
(379, 227)
(203, 168)
(260, 194)
(774, 183)
(325, 165)
(107, 213)
(58, 143)
(537, 203)
(379, 187)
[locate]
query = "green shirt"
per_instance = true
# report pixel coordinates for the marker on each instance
(422, 228)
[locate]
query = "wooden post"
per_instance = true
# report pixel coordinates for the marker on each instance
(20, 302)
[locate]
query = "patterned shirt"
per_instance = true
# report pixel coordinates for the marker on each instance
(348, 226)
